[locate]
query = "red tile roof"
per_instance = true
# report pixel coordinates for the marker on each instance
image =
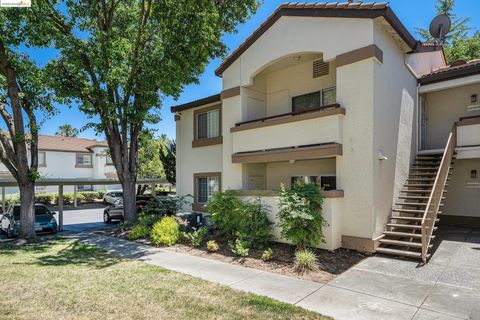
(452, 72)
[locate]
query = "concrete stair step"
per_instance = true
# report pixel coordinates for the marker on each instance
(404, 226)
(401, 243)
(415, 219)
(416, 197)
(397, 252)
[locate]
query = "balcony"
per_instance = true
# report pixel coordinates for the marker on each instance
(468, 137)
(318, 129)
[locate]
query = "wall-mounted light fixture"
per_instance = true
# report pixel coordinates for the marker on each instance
(382, 156)
(473, 98)
(291, 161)
(473, 174)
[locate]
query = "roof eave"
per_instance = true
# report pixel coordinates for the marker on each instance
(284, 10)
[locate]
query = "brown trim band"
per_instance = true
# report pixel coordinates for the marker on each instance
(196, 206)
(330, 194)
(468, 121)
(232, 92)
(71, 151)
(197, 103)
(300, 117)
(286, 154)
(320, 10)
(207, 142)
(371, 51)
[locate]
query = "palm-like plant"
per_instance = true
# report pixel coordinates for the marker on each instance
(67, 130)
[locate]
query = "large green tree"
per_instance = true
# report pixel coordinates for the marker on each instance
(149, 164)
(458, 45)
(168, 154)
(23, 96)
(118, 58)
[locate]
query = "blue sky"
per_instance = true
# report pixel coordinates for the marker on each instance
(413, 13)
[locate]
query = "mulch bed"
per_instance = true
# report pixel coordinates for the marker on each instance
(331, 263)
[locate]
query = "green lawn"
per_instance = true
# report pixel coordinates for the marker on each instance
(63, 279)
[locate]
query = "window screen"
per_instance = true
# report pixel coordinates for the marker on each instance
(206, 187)
(84, 160)
(329, 96)
(328, 183)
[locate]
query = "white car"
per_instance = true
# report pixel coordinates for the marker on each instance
(112, 197)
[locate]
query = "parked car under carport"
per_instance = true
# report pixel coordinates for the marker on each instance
(45, 221)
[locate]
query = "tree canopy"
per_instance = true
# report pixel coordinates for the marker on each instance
(118, 58)
(66, 130)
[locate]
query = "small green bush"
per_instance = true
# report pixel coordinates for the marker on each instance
(89, 196)
(165, 232)
(139, 232)
(254, 226)
(147, 220)
(196, 237)
(100, 194)
(300, 215)
(225, 211)
(267, 255)
(235, 219)
(305, 260)
(44, 198)
(165, 205)
(212, 246)
(240, 248)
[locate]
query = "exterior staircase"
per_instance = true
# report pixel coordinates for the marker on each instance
(405, 232)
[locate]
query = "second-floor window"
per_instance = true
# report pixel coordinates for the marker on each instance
(314, 99)
(208, 124)
(42, 159)
(83, 160)
(109, 160)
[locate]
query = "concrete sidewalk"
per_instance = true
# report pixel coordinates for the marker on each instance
(364, 292)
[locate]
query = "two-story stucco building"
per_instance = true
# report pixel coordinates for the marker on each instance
(70, 158)
(341, 95)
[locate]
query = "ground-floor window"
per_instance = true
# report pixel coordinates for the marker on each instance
(205, 186)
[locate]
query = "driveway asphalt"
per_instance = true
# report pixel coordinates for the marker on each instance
(447, 288)
(80, 220)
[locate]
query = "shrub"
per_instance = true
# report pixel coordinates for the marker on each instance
(235, 219)
(147, 220)
(139, 231)
(89, 196)
(100, 194)
(254, 226)
(44, 198)
(305, 260)
(165, 205)
(165, 232)
(196, 237)
(300, 215)
(267, 255)
(240, 248)
(225, 211)
(212, 246)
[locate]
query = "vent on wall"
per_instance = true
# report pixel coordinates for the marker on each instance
(320, 68)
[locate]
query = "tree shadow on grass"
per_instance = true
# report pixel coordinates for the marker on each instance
(76, 253)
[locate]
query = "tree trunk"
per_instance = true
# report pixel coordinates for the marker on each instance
(27, 211)
(129, 200)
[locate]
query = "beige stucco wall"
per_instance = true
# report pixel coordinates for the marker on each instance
(463, 196)
(193, 160)
(445, 107)
(394, 126)
(293, 35)
(332, 213)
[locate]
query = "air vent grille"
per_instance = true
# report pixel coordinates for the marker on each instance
(320, 68)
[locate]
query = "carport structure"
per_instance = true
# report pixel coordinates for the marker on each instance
(61, 183)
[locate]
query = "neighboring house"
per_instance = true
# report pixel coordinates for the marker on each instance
(70, 158)
(341, 95)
